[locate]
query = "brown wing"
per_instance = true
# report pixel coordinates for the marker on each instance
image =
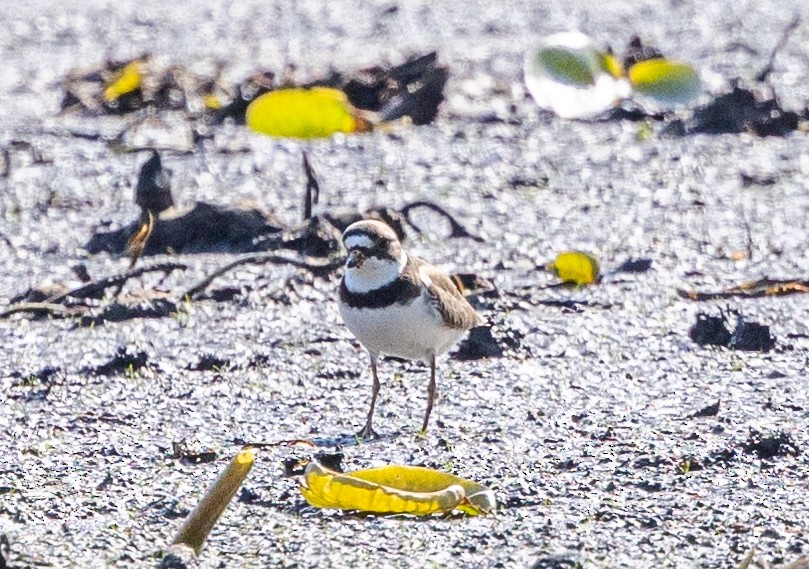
(447, 299)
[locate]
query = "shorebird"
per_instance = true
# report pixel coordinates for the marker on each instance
(399, 305)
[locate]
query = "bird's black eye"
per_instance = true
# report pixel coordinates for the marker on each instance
(382, 247)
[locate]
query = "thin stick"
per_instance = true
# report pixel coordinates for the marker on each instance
(36, 307)
(793, 25)
(312, 188)
(747, 560)
(201, 520)
(801, 562)
(753, 289)
(55, 304)
(93, 288)
(260, 259)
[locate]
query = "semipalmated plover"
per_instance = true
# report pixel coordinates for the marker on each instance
(399, 305)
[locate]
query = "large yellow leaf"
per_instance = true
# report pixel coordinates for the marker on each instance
(302, 113)
(395, 489)
(575, 267)
(666, 80)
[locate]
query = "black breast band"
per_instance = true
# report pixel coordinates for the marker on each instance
(400, 291)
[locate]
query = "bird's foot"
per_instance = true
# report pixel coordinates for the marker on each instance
(367, 433)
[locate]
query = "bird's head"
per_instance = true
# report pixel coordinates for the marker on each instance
(375, 255)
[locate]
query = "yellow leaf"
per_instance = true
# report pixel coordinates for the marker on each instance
(612, 64)
(212, 102)
(302, 113)
(665, 80)
(126, 81)
(575, 267)
(395, 489)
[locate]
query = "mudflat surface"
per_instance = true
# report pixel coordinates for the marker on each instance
(587, 428)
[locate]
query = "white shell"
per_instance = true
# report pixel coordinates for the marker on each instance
(569, 100)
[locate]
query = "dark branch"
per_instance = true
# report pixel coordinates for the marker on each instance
(92, 290)
(317, 267)
(36, 308)
(458, 230)
(752, 289)
(312, 188)
(793, 25)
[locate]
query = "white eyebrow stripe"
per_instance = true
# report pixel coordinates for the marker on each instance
(358, 240)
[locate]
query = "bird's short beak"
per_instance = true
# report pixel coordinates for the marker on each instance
(355, 259)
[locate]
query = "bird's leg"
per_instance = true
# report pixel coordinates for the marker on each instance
(431, 390)
(367, 432)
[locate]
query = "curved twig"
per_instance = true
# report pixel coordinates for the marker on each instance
(458, 230)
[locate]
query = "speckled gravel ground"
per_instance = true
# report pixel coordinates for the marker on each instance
(586, 429)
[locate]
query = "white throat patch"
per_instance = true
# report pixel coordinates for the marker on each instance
(374, 273)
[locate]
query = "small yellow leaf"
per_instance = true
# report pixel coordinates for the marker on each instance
(575, 267)
(395, 489)
(612, 64)
(212, 102)
(665, 80)
(302, 113)
(126, 81)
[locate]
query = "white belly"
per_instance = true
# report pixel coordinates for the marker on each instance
(414, 331)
